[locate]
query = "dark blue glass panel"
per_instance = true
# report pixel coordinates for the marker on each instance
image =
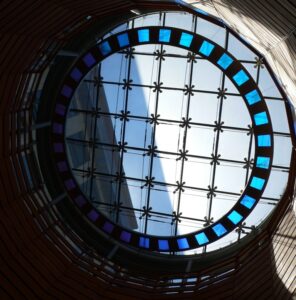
(144, 242)
(261, 118)
(225, 61)
(62, 166)
(253, 97)
(60, 109)
(240, 77)
(201, 238)
(186, 39)
(219, 229)
(67, 91)
(80, 201)
(164, 35)
(58, 128)
(105, 48)
(125, 236)
(262, 162)
(89, 60)
(264, 140)
(70, 184)
(234, 217)
(163, 245)
(58, 147)
(76, 74)
(257, 183)
(183, 243)
(248, 201)
(108, 227)
(206, 48)
(143, 35)
(93, 215)
(123, 40)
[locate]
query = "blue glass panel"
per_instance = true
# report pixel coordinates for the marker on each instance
(261, 118)
(164, 35)
(253, 97)
(70, 184)
(123, 40)
(225, 61)
(163, 245)
(201, 238)
(89, 60)
(262, 162)
(219, 229)
(58, 128)
(257, 183)
(264, 140)
(234, 217)
(67, 91)
(76, 74)
(93, 215)
(248, 201)
(108, 227)
(62, 166)
(105, 48)
(144, 242)
(58, 147)
(186, 39)
(143, 35)
(183, 243)
(80, 201)
(240, 77)
(206, 48)
(125, 236)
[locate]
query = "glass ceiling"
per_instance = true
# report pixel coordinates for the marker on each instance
(160, 140)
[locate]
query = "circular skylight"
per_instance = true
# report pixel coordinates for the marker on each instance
(170, 138)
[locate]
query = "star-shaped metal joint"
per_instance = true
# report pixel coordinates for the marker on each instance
(176, 217)
(240, 228)
(248, 163)
(259, 63)
(153, 119)
(159, 54)
(127, 84)
(180, 186)
(218, 126)
(191, 57)
(215, 159)
(129, 52)
(222, 93)
(116, 207)
(157, 87)
(189, 89)
(95, 112)
(151, 151)
(146, 212)
(185, 123)
(208, 221)
(120, 147)
(89, 173)
(119, 176)
(93, 143)
(250, 130)
(182, 155)
(98, 81)
(211, 192)
(124, 115)
(148, 182)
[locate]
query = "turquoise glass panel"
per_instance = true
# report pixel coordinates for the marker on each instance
(105, 48)
(225, 61)
(264, 140)
(206, 48)
(201, 238)
(186, 39)
(253, 97)
(219, 229)
(248, 201)
(240, 77)
(261, 118)
(164, 35)
(183, 243)
(234, 217)
(262, 162)
(257, 183)
(143, 35)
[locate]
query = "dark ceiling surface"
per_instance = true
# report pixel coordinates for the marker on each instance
(40, 256)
